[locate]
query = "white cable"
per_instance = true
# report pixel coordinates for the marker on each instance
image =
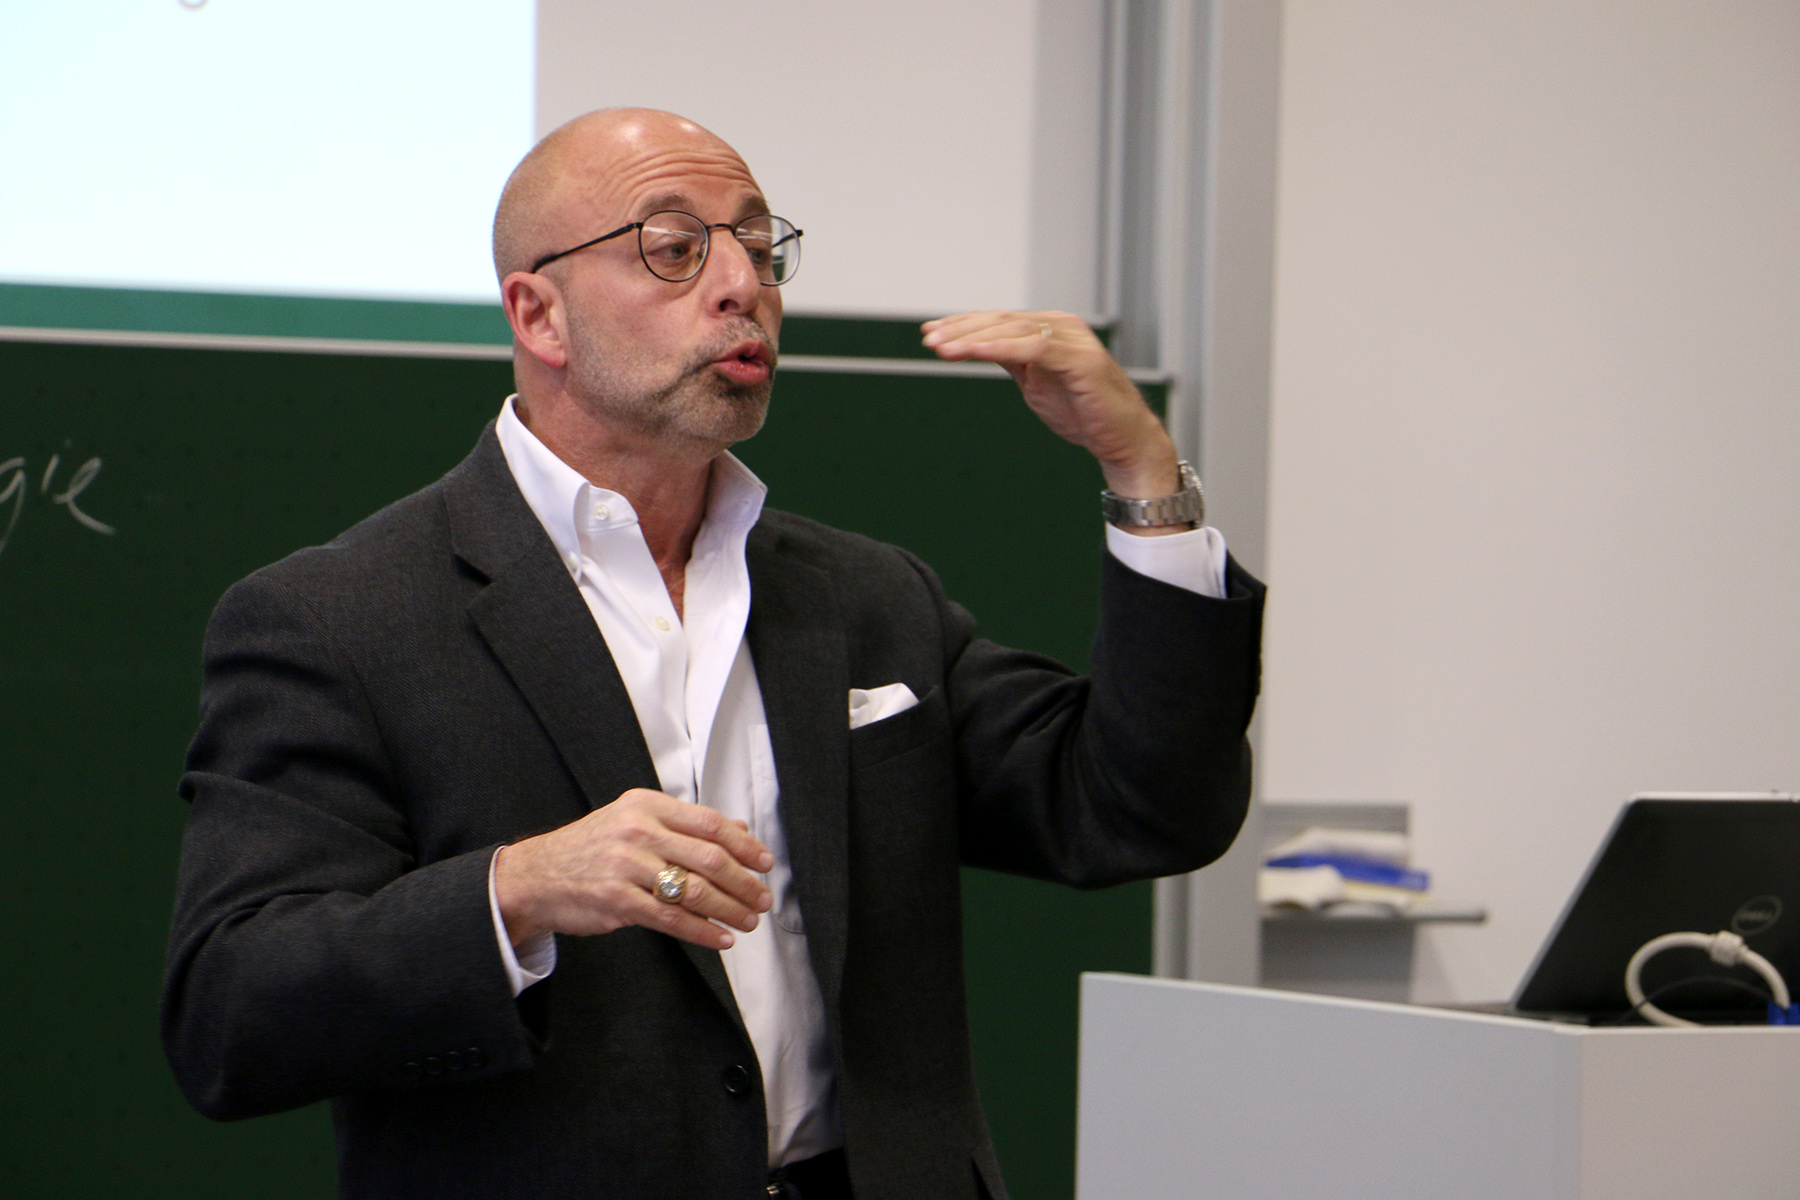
(1726, 948)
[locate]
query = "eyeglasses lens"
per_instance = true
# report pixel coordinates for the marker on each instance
(673, 245)
(773, 246)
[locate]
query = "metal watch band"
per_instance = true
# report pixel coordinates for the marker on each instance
(1188, 506)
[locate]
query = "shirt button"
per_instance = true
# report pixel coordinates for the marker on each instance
(574, 564)
(602, 512)
(662, 623)
(737, 1080)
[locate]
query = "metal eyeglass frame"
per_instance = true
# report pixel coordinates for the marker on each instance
(705, 250)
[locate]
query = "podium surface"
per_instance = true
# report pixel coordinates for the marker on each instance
(1213, 1092)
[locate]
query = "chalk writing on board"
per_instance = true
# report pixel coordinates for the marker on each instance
(16, 491)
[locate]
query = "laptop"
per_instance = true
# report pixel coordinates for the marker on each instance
(1675, 863)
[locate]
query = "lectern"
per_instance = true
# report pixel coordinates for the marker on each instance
(1211, 1092)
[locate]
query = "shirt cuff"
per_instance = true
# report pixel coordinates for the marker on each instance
(535, 958)
(1193, 560)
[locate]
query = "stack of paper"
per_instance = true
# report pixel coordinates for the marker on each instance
(1318, 868)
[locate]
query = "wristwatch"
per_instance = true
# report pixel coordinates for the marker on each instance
(1184, 507)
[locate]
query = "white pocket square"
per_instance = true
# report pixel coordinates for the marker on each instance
(868, 705)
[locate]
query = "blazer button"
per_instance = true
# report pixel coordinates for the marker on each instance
(737, 1080)
(410, 1069)
(474, 1058)
(454, 1059)
(434, 1065)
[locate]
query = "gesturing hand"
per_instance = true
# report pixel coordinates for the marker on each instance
(1074, 386)
(596, 875)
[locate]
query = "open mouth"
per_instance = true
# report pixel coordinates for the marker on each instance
(750, 361)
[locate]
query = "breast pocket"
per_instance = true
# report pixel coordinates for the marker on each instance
(765, 824)
(881, 740)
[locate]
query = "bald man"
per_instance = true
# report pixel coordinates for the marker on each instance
(581, 828)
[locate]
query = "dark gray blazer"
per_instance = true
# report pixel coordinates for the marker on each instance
(382, 712)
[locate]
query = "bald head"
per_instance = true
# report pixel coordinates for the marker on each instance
(553, 196)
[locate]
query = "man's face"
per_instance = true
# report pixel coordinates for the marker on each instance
(684, 361)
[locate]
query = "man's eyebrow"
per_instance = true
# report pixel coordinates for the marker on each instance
(668, 200)
(752, 206)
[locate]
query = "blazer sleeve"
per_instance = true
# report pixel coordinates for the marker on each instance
(1137, 770)
(311, 953)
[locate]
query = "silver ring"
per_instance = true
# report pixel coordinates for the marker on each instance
(671, 884)
(1044, 330)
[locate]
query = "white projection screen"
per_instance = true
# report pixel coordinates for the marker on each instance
(347, 148)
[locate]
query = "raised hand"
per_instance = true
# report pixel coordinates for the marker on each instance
(1074, 386)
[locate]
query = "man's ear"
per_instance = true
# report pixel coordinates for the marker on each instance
(534, 309)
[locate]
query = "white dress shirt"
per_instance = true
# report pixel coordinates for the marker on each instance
(697, 700)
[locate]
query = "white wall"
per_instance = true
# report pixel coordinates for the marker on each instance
(1534, 531)
(940, 154)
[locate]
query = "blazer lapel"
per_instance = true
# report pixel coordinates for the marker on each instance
(532, 616)
(535, 621)
(802, 666)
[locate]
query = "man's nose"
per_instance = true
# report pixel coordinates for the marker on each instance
(729, 269)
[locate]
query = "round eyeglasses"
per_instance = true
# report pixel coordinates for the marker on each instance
(674, 244)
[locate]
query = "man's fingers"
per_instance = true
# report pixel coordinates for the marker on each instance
(1007, 349)
(700, 896)
(963, 325)
(676, 921)
(1007, 338)
(711, 862)
(744, 847)
(982, 327)
(711, 847)
(698, 821)
(706, 899)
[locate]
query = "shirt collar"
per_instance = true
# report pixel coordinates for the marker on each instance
(734, 495)
(565, 502)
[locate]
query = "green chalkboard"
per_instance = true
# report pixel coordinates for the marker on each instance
(136, 484)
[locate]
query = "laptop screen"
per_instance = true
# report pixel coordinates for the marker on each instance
(1673, 866)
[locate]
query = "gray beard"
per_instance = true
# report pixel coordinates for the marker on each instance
(697, 405)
